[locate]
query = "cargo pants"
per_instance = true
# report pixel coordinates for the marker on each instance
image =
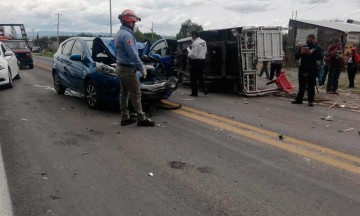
(130, 88)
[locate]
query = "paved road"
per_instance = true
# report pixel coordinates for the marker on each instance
(216, 156)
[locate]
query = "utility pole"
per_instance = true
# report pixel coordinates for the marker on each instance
(33, 34)
(110, 20)
(152, 30)
(57, 29)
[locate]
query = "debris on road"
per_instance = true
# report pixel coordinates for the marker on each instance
(328, 118)
(118, 132)
(63, 108)
(24, 119)
(85, 153)
(331, 106)
(359, 133)
(281, 137)
(43, 173)
(349, 129)
(45, 178)
(245, 102)
(151, 174)
(342, 106)
(187, 99)
(177, 165)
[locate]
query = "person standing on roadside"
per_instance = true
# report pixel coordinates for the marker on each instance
(196, 56)
(128, 62)
(334, 67)
(264, 68)
(326, 62)
(275, 68)
(308, 55)
(352, 66)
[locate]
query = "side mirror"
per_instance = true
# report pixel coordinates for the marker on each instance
(75, 57)
(8, 53)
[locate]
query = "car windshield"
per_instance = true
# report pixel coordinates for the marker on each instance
(16, 44)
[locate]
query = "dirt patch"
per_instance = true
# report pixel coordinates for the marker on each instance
(205, 169)
(177, 165)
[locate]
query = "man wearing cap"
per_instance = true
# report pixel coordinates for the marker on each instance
(128, 62)
(352, 66)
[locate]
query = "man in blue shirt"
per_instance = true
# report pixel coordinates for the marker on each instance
(128, 62)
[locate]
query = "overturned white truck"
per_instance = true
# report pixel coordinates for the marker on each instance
(234, 56)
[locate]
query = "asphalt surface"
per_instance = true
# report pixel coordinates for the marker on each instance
(218, 155)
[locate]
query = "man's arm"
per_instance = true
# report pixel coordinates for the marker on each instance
(194, 51)
(132, 51)
(298, 54)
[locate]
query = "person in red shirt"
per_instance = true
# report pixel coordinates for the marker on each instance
(352, 66)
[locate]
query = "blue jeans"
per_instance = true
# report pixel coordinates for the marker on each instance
(333, 80)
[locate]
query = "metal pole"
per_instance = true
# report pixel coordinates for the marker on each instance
(57, 29)
(110, 20)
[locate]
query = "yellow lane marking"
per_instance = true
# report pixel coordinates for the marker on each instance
(272, 134)
(270, 141)
(47, 67)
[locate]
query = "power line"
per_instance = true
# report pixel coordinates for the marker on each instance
(311, 7)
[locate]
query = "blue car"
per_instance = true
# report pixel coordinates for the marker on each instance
(87, 65)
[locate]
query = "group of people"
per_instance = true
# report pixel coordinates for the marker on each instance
(311, 57)
(129, 62)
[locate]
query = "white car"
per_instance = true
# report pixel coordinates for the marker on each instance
(9, 68)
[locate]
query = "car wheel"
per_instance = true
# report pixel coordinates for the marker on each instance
(92, 99)
(59, 88)
(17, 76)
(10, 85)
(31, 66)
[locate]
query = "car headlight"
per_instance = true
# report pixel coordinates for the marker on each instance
(2, 66)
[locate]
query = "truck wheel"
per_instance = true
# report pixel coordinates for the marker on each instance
(31, 66)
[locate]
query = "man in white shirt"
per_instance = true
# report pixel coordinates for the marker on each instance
(197, 59)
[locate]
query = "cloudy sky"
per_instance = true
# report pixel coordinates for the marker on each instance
(167, 15)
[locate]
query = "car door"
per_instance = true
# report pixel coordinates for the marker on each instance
(76, 67)
(166, 52)
(12, 60)
(63, 60)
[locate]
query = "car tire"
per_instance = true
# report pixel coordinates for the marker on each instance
(17, 76)
(59, 88)
(91, 96)
(10, 85)
(31, 66)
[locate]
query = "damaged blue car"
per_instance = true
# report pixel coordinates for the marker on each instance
(87, 65)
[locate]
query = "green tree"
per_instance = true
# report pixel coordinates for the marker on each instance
(187, 27)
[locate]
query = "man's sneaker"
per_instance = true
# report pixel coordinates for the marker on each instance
(128, 121)
(296, 102)
(146, 123)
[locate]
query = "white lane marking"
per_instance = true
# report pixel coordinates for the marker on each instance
(5, 202)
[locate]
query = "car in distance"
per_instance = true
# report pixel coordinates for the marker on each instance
(22, 52)
(9, 68)
(87, 65)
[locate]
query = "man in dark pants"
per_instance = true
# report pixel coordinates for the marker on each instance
(275, 68)
(335, 67)
(308, 54)
(197, 60)
(352, 66)
(128, 61)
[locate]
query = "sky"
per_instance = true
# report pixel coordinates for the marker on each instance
(166, 16)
